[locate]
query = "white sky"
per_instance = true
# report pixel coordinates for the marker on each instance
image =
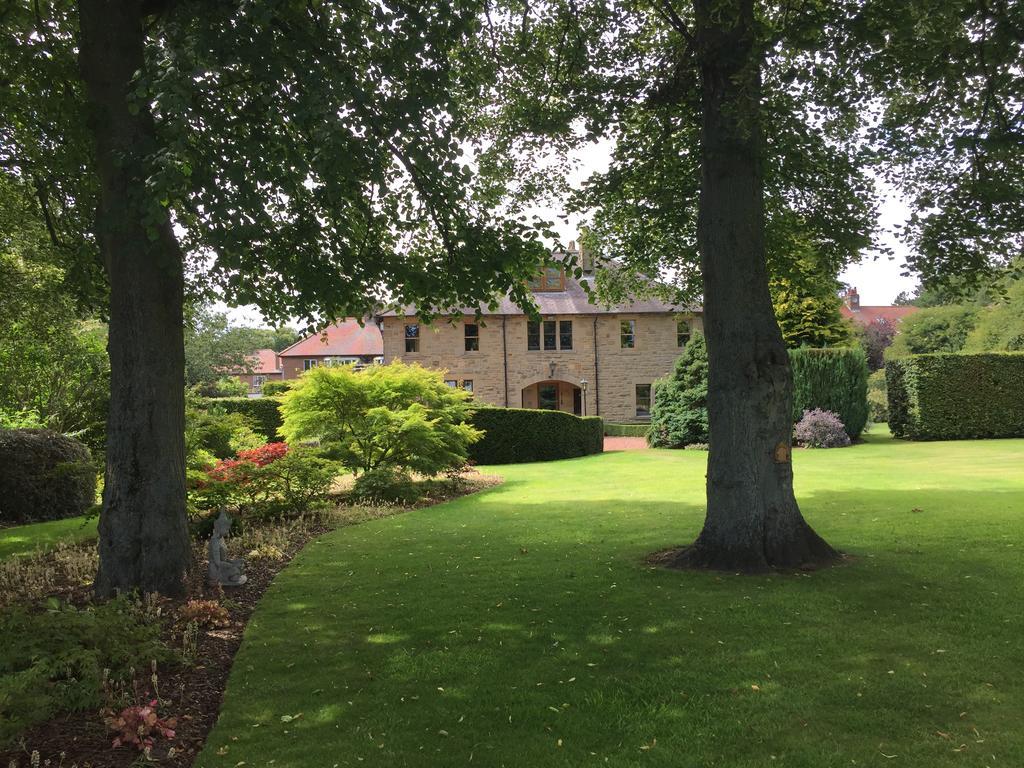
(878, 280)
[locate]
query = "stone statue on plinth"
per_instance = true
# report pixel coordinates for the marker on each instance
(222, 570)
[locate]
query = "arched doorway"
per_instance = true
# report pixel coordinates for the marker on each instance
(554, 395)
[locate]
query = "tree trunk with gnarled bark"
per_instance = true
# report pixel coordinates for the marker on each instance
(753, 522)
(143, 540)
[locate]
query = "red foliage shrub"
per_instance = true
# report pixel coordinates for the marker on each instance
(140, 726)
(265, 454)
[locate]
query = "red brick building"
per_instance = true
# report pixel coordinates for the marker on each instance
(264, 366)
(344, 343)
(868, 314)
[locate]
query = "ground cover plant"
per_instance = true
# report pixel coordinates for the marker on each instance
(523, 627)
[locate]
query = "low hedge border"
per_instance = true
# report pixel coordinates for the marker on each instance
(943, 396)
(263, 411)
(516, 435)
(626, 430)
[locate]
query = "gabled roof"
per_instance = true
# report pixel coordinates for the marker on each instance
(574, 300)
(343, 339)
(865, 315)
(262, 361)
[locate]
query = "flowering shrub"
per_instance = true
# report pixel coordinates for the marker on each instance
(821, 429)
(140, 726)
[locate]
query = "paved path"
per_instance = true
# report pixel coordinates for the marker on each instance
(625, 443)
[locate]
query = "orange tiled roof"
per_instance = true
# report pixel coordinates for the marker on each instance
(865, 315)
(345, 338)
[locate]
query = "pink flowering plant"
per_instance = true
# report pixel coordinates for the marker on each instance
(820, 429)
(139, 726)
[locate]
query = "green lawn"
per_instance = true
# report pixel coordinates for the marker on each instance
(522, 628)
(22, 539)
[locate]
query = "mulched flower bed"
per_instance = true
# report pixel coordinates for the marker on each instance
(190, 693)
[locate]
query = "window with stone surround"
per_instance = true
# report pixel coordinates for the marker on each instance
(556, 334)
(532, 335)
(472, 333)
(627, 334)
(550, 335)
(412, 338)
(565, 334)
(643, 401)
(682, 333)
(467, 384)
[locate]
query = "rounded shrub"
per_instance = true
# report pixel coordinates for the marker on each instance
(679, 416)
(272, 388)
(385, 485)
(514, 435)
(820, 429)
(44, 476)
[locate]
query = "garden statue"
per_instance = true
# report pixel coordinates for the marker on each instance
(222, 570)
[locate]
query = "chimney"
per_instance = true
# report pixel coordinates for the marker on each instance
(583, 258)
(852, 299)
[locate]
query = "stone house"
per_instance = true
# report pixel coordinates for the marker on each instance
(580, 357)
(344, 343)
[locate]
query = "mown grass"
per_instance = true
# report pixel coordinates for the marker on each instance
(23, 539)
(521, 627)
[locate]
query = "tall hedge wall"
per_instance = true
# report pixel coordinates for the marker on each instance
(956, 397)
(514, 435)
(833, 379)
(262, 410)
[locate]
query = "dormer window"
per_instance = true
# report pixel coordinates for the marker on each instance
(551, 279)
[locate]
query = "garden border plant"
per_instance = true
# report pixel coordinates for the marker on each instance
(205, 623)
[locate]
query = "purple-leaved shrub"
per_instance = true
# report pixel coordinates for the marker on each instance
(820, 429)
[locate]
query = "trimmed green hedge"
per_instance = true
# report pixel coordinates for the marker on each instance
(262, 410)
(515, 435)
(626, 430)
(833, 379)
(44, 475)
(943, 396)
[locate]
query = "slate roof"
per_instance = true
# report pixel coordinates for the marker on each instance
(572, 301)
(343, 339)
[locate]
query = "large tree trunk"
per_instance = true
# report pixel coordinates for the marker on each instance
(144, 541)
(753, 522)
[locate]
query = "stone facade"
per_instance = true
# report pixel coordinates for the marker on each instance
(505, 372)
